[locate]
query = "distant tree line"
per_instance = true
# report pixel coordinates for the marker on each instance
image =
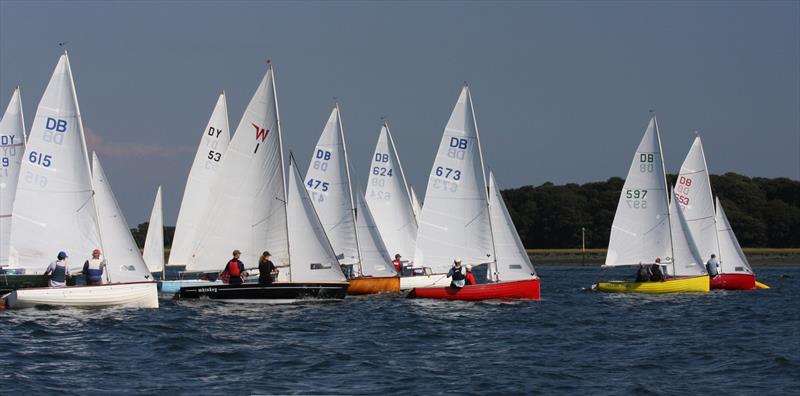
(763, 212)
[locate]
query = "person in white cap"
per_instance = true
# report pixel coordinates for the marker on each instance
(458, 274)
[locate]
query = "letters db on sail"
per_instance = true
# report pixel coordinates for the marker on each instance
(53, 124)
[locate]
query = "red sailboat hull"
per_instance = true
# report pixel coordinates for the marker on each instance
(734, 282)
(516, 290)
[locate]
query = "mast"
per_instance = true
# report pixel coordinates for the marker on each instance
(283, 173)
(85, 156)
(666, 192)
(493, 275)
(399, 165)
(711, 195)
(349, 188)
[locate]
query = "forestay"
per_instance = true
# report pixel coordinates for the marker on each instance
(124, 263)
(312, 257)
(247, 211)
(512, 262)
(375, 258)
(454, 222)
(693, 193)
(732, 259)
(53, 209)
(389, 199)
(153, 252)
(640, 231)
(686, 259)
(328, 183)
(12, 148)
(196, 195)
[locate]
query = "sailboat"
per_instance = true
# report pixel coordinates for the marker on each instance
(259, 215)
(708, 228)
(12, 146)
(62, 205)
(153, 252)
(465, 219)
(352, 232)
(647, 226)
(196, 198)
(390, 200)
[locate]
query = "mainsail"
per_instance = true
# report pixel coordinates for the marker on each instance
(693, 193)
(12, 146)
(389, 198)
(247, 210)
(54, 209)
(328, 183)
(640, 232)
(153, 252)
(454, 222)
(194, 204)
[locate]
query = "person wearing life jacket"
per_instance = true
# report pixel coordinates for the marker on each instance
(93, 269)
(457, 273)
(470, 277)
(235, 269)
(398, 265)
(656, 272)
(58, 271)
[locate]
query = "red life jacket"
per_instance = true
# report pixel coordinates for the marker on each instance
(233, 269)
(398, 265)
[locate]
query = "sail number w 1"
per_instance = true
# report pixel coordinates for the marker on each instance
(37, 158)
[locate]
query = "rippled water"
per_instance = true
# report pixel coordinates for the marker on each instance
(570, 342)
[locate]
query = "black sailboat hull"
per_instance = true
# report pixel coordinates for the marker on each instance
(274, 293)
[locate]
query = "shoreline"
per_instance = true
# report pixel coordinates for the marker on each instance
(595, 257)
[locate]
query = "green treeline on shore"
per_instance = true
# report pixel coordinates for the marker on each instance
(763, 212)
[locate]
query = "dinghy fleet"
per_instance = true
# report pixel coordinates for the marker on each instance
(326, 236)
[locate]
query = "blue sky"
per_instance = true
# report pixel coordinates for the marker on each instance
(561, 89)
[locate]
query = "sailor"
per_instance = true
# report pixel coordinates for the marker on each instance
(657, 274)
(58, 271)
(457, 273)
(398, 265)
(265, 269)
(93, 269)
(235, 269)
(470, 277)
(713, 266)
(643, 275)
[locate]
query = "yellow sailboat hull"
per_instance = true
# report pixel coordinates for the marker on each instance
(696, 284)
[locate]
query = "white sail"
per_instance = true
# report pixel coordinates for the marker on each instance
(415, 203)
(247, 211)
(53, 209)
(685, 260)
(693, 193)
(153, 252)
(194, 204)
(124, 262)
(328, 183)
(375, 258)
(513, 262)
(454, 222)
(640, 232)
(389, 199)
(12, 147)
(732, 259)
(312, 257)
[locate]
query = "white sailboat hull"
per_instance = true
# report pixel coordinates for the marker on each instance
(418, 281)
(140, 294)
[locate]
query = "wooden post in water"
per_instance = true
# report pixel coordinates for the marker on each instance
(583, 246)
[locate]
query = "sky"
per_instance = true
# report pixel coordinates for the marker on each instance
(561, 90)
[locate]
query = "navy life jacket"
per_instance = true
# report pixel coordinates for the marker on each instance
(458, 274)
(59, 274)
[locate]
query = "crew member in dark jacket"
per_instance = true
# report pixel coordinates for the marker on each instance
(235, 269)
(265, 269)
